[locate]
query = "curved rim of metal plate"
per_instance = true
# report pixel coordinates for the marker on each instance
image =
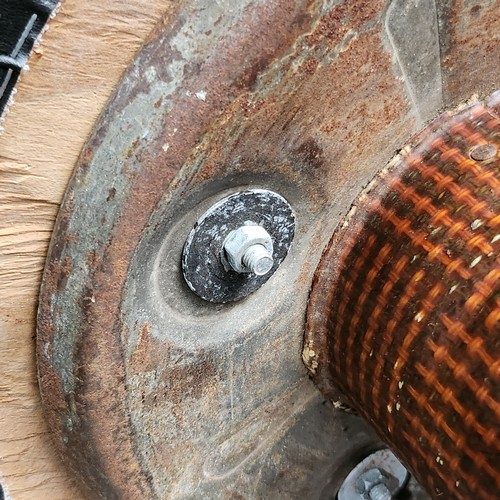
(305, 98)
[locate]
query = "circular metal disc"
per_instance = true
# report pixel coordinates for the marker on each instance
(203, 268)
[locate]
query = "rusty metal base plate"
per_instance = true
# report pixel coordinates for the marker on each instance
(152, 392)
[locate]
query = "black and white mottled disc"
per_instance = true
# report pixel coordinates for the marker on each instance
(203, 269)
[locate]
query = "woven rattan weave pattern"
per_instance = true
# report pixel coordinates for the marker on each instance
(404, 315)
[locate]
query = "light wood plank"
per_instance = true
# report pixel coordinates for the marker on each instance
(72, 74)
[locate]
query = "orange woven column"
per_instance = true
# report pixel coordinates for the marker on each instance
(404, 314)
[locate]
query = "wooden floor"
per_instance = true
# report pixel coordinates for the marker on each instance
(72, 73)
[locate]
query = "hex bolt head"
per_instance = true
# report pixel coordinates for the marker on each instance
(248, 249)
(368, 479)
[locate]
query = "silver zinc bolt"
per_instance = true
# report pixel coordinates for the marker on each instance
(248, 249)
(380, 476)
(380, 492)
(368, 484)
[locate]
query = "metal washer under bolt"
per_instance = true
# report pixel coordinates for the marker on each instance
(205, 269)
(379, 476)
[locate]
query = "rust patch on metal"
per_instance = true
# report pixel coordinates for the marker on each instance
(470, 30)
(403, 316)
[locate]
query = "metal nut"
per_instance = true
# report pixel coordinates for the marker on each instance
(379, 476)
(248, 249)
(369, 479)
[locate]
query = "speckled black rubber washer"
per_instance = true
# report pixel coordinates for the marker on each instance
(201, 263)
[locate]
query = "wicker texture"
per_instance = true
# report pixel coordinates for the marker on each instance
(404, 315)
